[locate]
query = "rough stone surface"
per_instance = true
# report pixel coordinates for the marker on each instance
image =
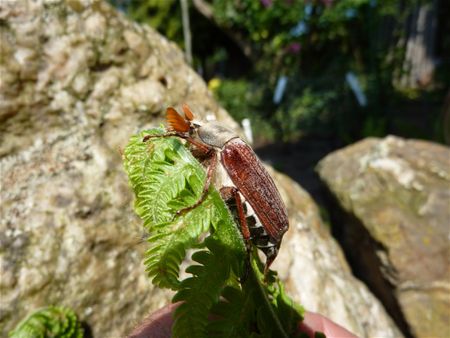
(316, 274)
(396, 197)
(76, 80)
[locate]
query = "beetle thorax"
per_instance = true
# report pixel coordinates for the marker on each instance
(215, 135)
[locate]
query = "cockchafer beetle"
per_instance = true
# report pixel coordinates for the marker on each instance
(252, 189)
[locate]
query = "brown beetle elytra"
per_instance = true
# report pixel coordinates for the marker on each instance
(251, 181)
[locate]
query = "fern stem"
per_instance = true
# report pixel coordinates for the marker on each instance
(279, 330)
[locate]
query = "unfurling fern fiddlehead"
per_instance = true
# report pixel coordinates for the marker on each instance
(52, 321)
(165, 178)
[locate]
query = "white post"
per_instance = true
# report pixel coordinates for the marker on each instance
(186, 31)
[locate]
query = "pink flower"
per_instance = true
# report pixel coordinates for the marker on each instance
(266, 3)
(294, 48)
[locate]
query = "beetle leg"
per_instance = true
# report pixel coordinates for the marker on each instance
(206, 149)
(169, 134)
(209, 175)
(270, 257)
(200, 145)
(229, 193)
(245, 231)
(232, 193)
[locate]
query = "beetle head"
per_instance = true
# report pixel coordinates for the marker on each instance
(179, 124)
(211, 133)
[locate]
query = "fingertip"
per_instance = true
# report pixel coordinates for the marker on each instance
(157, 325)
(314, 322)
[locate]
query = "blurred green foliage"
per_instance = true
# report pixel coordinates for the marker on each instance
(245, 99)
(247, 45)
(163, 15)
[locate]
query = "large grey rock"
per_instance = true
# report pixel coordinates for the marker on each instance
(317, 275)
(396, 195)
(76, 82)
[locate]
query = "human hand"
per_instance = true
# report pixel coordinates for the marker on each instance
(159, 325)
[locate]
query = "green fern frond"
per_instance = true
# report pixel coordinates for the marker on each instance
(169, 244)
(258, 309)
(200, 291)
(288, 311)
(160, 173)
(217, 268)
(166, 178)
(235, 314)
(52, 321)
(278, 315)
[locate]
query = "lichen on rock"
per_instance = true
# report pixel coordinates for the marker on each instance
(396, 197)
